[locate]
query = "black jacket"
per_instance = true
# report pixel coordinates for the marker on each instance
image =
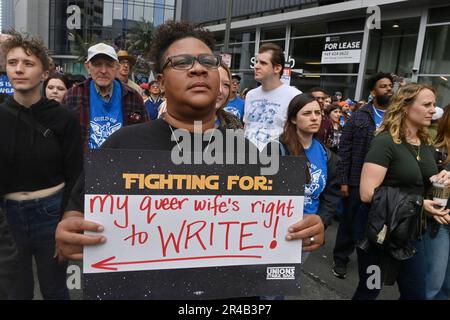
(394, 221)
(331, 196)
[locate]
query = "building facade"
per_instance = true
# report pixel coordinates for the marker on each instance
(99, 20)
(337, 45)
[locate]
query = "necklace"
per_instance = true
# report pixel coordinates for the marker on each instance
(178, 145)
(417, 153)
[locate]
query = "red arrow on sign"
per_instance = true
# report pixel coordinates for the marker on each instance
(106, 264)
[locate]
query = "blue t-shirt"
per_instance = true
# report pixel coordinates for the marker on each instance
(317, 157)
(105, 117)
(236, 107)
(153, 108)
(378, 115)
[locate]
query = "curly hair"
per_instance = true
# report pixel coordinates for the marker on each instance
(172, 31)
(31, 46)
(394, 119)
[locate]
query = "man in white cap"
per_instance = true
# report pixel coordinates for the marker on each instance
(103, 103)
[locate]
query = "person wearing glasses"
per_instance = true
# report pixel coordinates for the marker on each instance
(126, 64)
(188, 73)
(236, 105)
(103, 103)
(154, 101)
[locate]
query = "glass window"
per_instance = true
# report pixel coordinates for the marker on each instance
(274, 33)
(118, 10)
(219, 36)
(442, 87)
(344, 84)
(138, 11)
(248, 80)
(281, 43)
(310, 29)
(436, 51)
(438, 15)
(392, 48)
(107, 14)
(242, 36)
(241, 54)
(307, 54)
(148, 12)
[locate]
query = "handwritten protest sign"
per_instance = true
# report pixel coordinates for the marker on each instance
(186, 231)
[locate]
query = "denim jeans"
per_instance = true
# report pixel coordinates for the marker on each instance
(33, 224)
(345, 237)
(437, 252)
(410, 279)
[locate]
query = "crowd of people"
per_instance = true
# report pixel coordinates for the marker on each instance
(373, 161)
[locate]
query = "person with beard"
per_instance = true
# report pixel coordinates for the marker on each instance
(353, 147)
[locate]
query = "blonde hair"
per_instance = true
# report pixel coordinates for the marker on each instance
(394, 119)
(225, 67)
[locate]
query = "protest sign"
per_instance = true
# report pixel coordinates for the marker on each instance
(190, 231)
(5, 85)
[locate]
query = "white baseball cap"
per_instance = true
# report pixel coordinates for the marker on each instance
(104, 49)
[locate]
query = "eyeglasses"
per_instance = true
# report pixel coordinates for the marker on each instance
(186, 62)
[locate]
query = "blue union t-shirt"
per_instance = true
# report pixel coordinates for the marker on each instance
(236, 107)
(317, 157)
(105, 117)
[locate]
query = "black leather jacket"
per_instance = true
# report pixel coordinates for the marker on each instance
(394, 221)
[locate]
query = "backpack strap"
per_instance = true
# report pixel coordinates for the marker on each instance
(45, 132)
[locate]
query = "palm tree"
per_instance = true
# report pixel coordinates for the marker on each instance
(139, 39)
(82, 46)
(138, 44)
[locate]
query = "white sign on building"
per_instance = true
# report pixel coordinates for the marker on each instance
(342, 49)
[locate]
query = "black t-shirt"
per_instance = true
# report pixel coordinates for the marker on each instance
(153, 135)
(401, 161)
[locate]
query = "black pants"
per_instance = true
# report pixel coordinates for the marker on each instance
(345, 238)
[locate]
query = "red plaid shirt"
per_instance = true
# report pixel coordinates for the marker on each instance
(77, 100)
